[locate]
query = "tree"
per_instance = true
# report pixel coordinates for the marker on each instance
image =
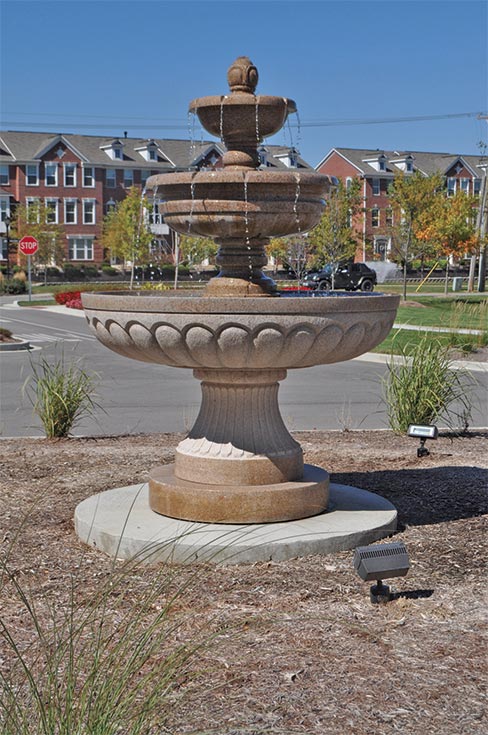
(197, 249)
(36, 219)
(278, 250)
(125, 232)
(412, 197)
(450, 226)
(334, 239)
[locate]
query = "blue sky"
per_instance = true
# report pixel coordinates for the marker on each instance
(103, 67)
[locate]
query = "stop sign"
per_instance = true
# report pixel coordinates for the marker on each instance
(28, 245)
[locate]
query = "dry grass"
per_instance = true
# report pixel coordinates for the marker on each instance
(299, 647)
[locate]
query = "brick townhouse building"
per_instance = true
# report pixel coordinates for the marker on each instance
(376, 170)
(80, 177)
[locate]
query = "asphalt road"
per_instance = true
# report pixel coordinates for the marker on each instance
(137, 397)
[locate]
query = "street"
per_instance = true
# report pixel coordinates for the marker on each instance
(137, 397)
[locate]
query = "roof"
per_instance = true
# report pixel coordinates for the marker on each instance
(21, 147)
(173, 154)
(424, 161)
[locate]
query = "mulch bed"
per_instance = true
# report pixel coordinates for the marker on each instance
(298, 648)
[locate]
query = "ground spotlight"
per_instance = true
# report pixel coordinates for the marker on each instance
(423, 433)
(379, 562)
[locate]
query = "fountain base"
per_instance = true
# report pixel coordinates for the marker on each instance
(193, 501)
(120, 523)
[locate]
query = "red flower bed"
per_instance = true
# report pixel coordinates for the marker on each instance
(295, 289)
(65, 296)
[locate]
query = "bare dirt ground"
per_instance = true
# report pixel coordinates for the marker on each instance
(298, 647)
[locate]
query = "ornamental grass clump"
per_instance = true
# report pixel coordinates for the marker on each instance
(108, 662)
(422, 387)
(61, 395)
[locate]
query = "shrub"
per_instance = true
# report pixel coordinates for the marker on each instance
(424, 387)
(73, 273)
(20, 276)
(90, 271)
(15, 286)
(107, 270)
(61, 395)
(5, 333)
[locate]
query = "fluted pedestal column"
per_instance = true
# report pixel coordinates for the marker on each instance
(239, 463)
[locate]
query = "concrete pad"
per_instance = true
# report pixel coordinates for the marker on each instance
(120, 523)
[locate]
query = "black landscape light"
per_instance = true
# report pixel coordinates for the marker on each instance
(423, 433)
(381, 561)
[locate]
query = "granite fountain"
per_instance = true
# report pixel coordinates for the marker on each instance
(238, 465)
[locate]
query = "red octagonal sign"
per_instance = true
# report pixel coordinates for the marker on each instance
(28, 245)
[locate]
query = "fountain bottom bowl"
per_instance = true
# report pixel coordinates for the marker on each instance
(193, 501)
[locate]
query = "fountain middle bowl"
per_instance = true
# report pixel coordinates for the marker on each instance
(241, 203)
(231, 333)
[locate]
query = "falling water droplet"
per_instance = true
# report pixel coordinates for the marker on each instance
(295, 203)
(246, 224)
(258, 138)
(191, 132)
(192, 205)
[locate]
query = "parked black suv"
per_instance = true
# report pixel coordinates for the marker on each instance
(349, 276)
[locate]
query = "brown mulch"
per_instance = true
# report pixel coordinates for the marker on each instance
(298, 647)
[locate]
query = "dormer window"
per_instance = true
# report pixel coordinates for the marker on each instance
(381, 164)
(149, 151)
(409, 165)
(378, 163)
(114, 150)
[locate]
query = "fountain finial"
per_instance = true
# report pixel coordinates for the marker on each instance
(242, 75)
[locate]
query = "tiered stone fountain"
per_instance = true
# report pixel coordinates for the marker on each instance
(239, 464)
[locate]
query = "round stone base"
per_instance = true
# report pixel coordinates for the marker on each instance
(195, 501)
(120, 523)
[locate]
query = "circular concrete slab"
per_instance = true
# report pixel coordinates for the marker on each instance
(120, 523)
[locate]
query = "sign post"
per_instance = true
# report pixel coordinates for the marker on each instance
(28, 245)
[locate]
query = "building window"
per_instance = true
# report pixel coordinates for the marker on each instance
(464, 183)
(389, 217)
(4, 208)
(88, 176)
(52, 211)
(70, 174)
(110, 206)
(4, 174)
(476, 187)
(128, 178)
(375, 217)
(110, 178)
(32, 210)
(32, 174)
(381, 164)
(376, 187)
(409, 166)
(451, 186)
(348, 183)
(88, 211)
(153, 156)
(80, 248)
(144, 177)
(70, 212)
(51, 174)
(117, 153)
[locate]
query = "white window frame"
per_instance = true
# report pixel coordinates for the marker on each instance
(54, 167)
(451, 191)
(126, 179)
(117, 151)
(376, 186)
(4, 174)
(35, 168)
(74, 201)
(109, 179)
(87, 247)
(110, 205)
(49, 201)
(4, 208)
(88, 173)
(375, 217)
(464, 185)
(28, 202)
(92, 215)
(389, 216)
(476, 187)
(69, 165)
(381, 164)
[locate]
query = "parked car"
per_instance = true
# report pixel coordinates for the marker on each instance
(348, 276)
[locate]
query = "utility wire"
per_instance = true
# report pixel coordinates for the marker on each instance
(173, 124)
